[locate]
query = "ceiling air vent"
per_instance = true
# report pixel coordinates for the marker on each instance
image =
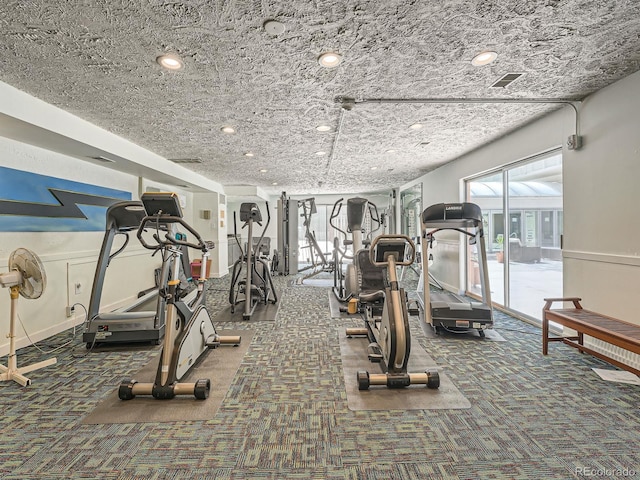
(186, 160)
(100, 158)
(421, 144)
(506, 80)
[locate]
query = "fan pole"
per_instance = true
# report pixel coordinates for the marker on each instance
(11, 371)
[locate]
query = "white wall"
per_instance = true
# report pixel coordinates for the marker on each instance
(601, 224)
(601, 219)
(69, 258)
(213, 228)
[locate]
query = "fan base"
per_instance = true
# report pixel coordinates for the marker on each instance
(16, 374)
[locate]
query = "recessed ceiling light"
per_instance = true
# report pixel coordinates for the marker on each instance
(170, 61)
(323, 128)
(484, 58)
(274, 183)
(249, 154)
(321, 153)
(374, 168)
(391, 151)
(416, 126)
(228, 129)
(330, 59)
(263, 170)
(273, 27)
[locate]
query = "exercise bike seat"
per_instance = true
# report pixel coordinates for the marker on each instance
(371, 278)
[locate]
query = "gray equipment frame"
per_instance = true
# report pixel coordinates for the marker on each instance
(445, 309)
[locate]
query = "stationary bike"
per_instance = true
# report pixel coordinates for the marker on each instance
(386, 316)
(257, 286)
(189, 332)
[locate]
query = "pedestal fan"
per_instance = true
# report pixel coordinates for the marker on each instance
(26, 277)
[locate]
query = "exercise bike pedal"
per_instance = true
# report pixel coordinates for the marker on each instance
(374, 353)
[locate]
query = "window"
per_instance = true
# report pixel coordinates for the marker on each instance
(525, 261)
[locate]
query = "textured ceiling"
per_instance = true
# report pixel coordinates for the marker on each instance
(96, 59)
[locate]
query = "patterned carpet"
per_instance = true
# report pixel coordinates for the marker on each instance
(285, 415)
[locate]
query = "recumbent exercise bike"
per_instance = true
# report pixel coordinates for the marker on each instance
(386, 316)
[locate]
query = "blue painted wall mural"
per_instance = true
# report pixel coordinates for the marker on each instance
(30, 202)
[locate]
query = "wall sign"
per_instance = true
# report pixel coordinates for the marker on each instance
(30, 202)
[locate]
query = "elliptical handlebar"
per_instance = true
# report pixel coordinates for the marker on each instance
(264, 230)
(170, 239)
(374, 218)
(334, 214)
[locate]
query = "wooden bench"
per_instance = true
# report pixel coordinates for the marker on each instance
(611, 330)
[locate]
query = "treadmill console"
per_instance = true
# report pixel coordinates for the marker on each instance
(452, 215)
(162, 204)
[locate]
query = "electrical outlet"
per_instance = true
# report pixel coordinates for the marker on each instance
(70, 311)
(78, 288)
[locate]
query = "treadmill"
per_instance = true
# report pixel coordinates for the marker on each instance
(444, 310)
(143, 320)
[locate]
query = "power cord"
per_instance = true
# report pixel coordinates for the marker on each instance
(59, 347)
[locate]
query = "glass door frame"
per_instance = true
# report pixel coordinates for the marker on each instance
(504, 171)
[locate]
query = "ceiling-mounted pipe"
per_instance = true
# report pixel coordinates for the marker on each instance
(574, 142)
(337, 135)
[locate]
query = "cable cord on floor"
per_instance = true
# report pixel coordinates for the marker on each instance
(53, 349)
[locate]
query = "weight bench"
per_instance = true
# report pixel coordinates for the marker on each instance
(585, 322)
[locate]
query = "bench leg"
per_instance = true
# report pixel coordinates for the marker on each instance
(545, 333)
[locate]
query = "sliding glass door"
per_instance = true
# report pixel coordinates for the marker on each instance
(525, 260)
(486, 191)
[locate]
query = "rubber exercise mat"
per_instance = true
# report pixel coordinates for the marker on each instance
(262, 313)
(312, 282)
(219, 365)
(335, 305)
(415, 397)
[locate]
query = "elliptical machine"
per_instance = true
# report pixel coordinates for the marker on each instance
(386, 317)
(257, 286)
(189, 332)
(345, 283)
